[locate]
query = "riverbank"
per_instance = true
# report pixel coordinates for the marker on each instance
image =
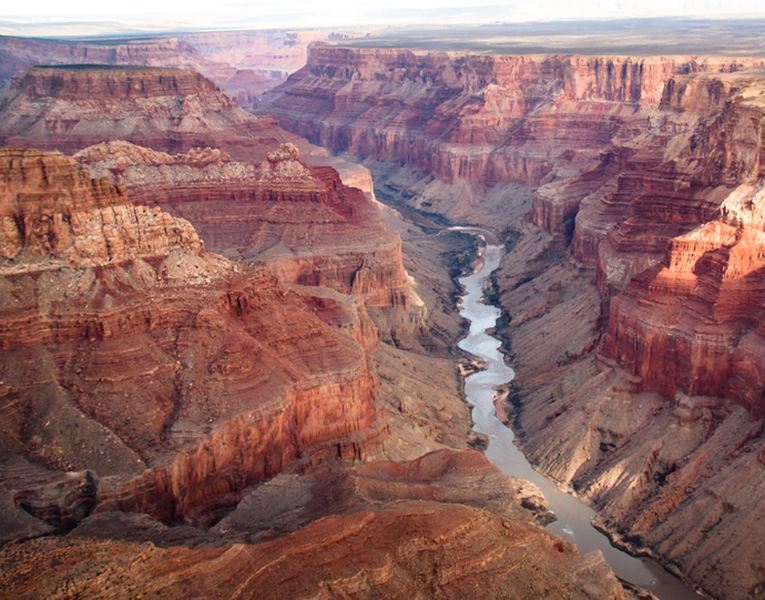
(509, 405)
(588, 538)
(574, 517)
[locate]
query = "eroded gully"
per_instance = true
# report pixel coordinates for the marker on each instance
(574, 517)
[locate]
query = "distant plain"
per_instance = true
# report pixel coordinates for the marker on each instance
(639, 37)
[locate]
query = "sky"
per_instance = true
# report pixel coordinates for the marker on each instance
(212, 14)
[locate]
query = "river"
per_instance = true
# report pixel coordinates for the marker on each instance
(574, 517)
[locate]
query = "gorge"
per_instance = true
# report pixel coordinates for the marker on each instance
(228, 369)
(572, 518)
(176, 419)
(631, 287)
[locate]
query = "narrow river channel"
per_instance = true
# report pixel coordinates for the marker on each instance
(574, 517)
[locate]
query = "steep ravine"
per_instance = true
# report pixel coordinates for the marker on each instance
(574, 517)
(635, 187)
(233, 488)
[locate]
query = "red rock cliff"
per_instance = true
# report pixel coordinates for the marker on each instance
(51, 211)
(188, 376)
(302, 221)
(71, 107)
(478, 118)
(112, 83)
(679, 323)
(309, 227)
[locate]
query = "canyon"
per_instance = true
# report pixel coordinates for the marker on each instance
(628, 192)
(68, 108)
(237, 178)
(212, 366)
(93, 281)
(242, 63)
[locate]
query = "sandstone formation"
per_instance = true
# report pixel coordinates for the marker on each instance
(246, 197)
(430, 528)
(303, 221)
(148, 386)
(634, 288)
(485, 119)
(104, 301)
(69, 107)
(243, 63)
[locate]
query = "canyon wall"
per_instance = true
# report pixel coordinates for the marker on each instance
(692, 282)
(67, 108)
(303, 221)
(105, 300)
(243, 63)
(486, 119)
(657, 391)
(147, 387)
(634, 286)
(246, 197)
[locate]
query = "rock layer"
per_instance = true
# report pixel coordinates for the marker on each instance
(485, 119)
(243, 63)
(634, 285)
(70, 107)
(52, 213)
(302, 221)
(405, 531)
(246, 197)
(104, 300)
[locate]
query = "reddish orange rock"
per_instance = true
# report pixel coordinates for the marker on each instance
(50, 210)
(431, 527)
(243, 63)
(189, 377)
(480, 118)
(635, 291)
(302, 221)
(164, 108)
(245, 196)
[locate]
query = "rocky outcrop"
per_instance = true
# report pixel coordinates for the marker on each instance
(701, 299)
(102, 303)
(245, 196)
(414, 529)
(70, 107)
(302, 221)
(53, 214)
(698, 309)
(76, 84)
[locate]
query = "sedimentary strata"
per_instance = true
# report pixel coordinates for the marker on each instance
(631, 192)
